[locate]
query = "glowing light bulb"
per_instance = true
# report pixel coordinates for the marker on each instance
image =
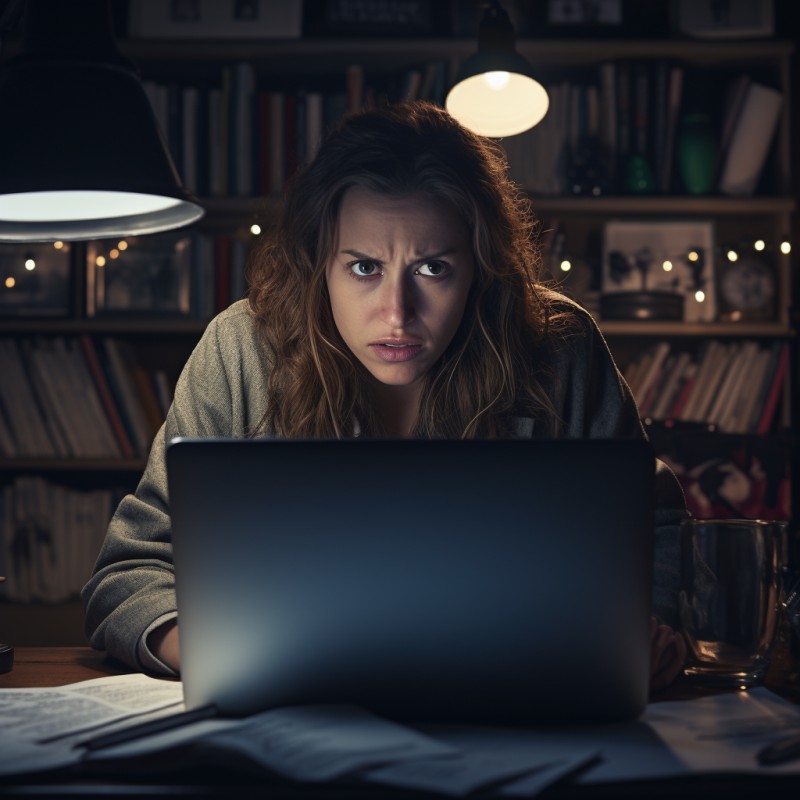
(667, 266)
(255, 229)
(10, 283)
(786, 248)
(123, 245)
(496, 80)
(693, 255)
(100, 261)
(113, 253)
(732, 255)
(30, 264)
(565, 265)
(700, 296)
(58, 245)
(759, 244)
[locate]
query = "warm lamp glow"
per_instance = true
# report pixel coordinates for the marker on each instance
(490, 110)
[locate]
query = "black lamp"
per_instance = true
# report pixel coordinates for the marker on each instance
(495, 93)
(81, 154)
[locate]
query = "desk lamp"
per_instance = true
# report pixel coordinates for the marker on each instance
(495, 93)
(81, 154)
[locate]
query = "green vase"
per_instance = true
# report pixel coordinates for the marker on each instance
(697, 150)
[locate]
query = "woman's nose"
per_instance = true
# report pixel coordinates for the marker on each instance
(398, 302)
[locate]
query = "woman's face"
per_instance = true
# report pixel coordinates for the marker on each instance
(398, 281)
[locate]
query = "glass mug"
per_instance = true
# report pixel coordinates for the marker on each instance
(728, 605)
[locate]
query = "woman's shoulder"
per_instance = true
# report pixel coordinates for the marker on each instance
(566, 318)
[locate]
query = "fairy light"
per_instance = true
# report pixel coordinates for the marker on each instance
(760, 245)
(732, 255)
(100, 261)
(113, 253)
(693, 255)
(30, 264)
(700, 296)
(255, 229)
(786, 247)
(122, 245)
(566, 265)
(58, 245)
(10, 282)
(667, 266)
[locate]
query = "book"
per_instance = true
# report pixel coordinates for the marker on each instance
(127, 398)
(650, 374)
(674, 94)
(670, 386)
(708, 352)
(106, 397)
(754, 387)
(750, 141)
(776, 386)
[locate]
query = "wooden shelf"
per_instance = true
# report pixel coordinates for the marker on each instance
(68, 465)
(115, 326)
(705, 330)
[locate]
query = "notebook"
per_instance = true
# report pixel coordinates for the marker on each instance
(479, 581)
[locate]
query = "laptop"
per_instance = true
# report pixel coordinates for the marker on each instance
(503, 582)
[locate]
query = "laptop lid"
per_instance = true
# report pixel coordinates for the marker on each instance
(484, 581)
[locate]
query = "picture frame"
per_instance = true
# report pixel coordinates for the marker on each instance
(35, 280)
(210, 19)
(651, 268)
(378, 18)
(733, 19)
(140, 275)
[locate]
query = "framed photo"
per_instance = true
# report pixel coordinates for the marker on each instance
(211, 19)
(142, 275)
(35, 280)
(732, 19)
(659, 260)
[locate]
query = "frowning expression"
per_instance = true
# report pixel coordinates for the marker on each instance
(398, 281)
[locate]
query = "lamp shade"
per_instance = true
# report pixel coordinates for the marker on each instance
(495, 93)
(81, 153)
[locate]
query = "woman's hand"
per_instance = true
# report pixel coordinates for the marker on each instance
(163, 644)
(667, 654)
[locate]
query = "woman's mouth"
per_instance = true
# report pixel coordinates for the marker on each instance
(395, 352)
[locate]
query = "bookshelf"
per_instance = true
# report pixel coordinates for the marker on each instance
(163, 343)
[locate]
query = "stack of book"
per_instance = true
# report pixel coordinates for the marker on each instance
(735, 386)
(78, 397)
(50, 536)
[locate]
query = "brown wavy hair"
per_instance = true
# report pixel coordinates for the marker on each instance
(488, 374)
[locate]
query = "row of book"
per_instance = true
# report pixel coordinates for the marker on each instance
(735, 386)
(617, 130)
(78, 397)
(239, 139)
(50, 536)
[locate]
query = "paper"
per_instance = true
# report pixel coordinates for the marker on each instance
(724, 733)
(40, 726)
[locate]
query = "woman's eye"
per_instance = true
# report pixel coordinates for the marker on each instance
(432, 269)
(363, 269)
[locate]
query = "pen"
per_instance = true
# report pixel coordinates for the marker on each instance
(148, 728)
(780, 752)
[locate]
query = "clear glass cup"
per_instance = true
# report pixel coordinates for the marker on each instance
(728, 604)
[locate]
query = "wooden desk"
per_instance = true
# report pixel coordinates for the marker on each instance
(57, 666)
(54, 666)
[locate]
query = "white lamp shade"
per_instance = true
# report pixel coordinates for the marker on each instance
(498, 103)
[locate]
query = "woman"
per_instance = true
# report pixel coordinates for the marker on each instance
(397, 297)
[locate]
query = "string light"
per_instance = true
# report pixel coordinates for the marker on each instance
(566, 265)
(732, 255)
(786, 247)
(255, 229)
(10, 282)
(123, 245)
(760, 245)
(30, 264)
(100, 261)
(667, 266)
(58, 245)
(693, 255)
(700, 296)
(113, 253)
